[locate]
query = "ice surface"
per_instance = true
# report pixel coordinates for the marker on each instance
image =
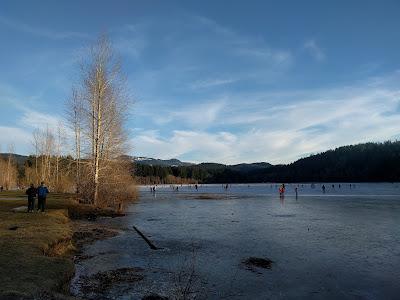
(343, 244)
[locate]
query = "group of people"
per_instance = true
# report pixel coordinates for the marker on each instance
(41, 192)
(174, 187)
(282, 188)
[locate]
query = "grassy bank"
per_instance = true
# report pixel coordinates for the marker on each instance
(35, 248)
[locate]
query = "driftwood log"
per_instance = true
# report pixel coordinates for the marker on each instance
(151, 245)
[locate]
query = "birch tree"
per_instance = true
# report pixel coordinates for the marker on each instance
(60, 141)
(8, 169)
(98, 110)
(10, 177)
(75, 120)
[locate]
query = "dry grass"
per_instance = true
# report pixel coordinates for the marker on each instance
(36, 248)
(34, 257)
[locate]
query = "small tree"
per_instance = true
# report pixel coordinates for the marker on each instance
(75, 119)
(8, 169)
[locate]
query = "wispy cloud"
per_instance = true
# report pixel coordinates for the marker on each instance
(199, 144)
(314, 50)
(39, 31)
(276, 57)
(18, 119)
(211, 92)
(16, 136)
(35, 119)
(132, 44)
(281, 127)
(27, 117)
(199, 53)
(200, 115)
(248, 46)
(206, 83)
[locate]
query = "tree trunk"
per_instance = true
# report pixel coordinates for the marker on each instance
(97, 141)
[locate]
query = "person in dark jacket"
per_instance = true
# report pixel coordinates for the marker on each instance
(31, 192)
(42, 192)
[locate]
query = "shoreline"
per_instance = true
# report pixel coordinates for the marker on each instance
(39, 251)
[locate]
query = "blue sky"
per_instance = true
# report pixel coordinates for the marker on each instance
(222, 81)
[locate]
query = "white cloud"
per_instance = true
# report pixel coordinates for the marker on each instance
(214, 146)
(314, 50)
(35, 119)
(199, 115)
(282, 127)
(18, 137)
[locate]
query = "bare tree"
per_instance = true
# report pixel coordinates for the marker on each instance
(35, 142)
(58, 149)
(10, 169)
(45, 147)
(98, 110)
(75, 119)
(48, 164)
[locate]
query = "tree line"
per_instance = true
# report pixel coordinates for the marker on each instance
(367, 162)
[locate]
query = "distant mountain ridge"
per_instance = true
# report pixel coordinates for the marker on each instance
(173, 162)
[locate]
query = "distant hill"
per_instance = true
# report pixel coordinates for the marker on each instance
(19, 159)
(355, 163)
(203, 172)
(160, 162)
(367, 162)
(250, 167)
(244, 167)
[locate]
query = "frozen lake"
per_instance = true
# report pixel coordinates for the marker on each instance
(342, 244)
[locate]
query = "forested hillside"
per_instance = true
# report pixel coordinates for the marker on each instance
(362, 162)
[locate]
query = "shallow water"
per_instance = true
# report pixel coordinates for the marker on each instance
(342, 244)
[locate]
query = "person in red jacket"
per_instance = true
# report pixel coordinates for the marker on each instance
(282, 189)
